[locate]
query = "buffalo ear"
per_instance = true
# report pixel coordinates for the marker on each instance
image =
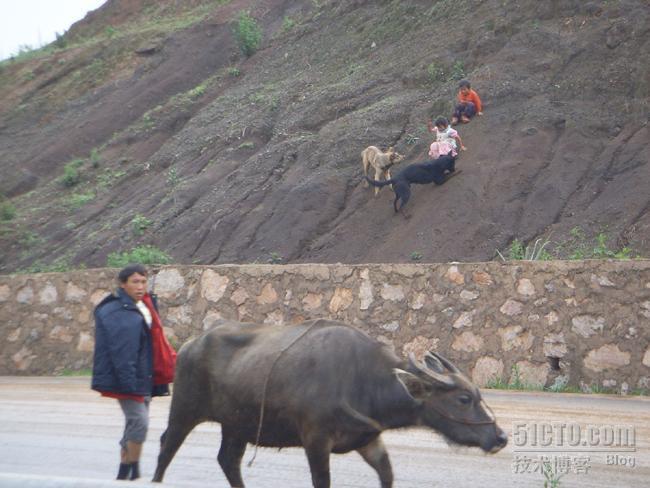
(414, 385)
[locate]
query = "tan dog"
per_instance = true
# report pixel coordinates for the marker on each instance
(381, 161)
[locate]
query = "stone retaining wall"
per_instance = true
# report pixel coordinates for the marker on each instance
(585, 322)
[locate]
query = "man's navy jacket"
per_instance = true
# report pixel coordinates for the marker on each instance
(123, 360)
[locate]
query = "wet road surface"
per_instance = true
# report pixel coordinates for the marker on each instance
(59, 427)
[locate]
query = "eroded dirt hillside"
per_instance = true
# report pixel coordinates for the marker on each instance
(148, 126)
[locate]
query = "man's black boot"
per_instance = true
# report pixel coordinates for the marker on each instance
(135, 470)
(124, 471)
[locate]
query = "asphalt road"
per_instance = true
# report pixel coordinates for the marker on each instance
(59, 427)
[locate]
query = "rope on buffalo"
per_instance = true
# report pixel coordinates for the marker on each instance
(443, 414)
(266, 384)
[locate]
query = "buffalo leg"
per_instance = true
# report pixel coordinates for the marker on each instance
(375, 454)
(170, 441)
(230, 455)
(318, 450)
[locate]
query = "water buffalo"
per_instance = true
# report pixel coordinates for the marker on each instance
(322, 385)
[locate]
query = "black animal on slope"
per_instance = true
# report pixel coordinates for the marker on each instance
(323, 385)
(434, 171)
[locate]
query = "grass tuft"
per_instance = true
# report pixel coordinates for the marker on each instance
(142, 254)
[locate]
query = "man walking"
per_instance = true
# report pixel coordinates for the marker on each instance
(133, 360)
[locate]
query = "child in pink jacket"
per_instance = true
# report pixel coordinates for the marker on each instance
(447, 139)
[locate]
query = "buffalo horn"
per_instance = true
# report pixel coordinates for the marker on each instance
(448, 364)
(433, 363)
(422, 369)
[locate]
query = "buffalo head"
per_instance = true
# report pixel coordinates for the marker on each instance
(451, 404)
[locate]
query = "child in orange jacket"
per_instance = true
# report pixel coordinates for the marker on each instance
(469, 104)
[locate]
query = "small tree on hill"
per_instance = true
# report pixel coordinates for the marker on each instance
(247, 33)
